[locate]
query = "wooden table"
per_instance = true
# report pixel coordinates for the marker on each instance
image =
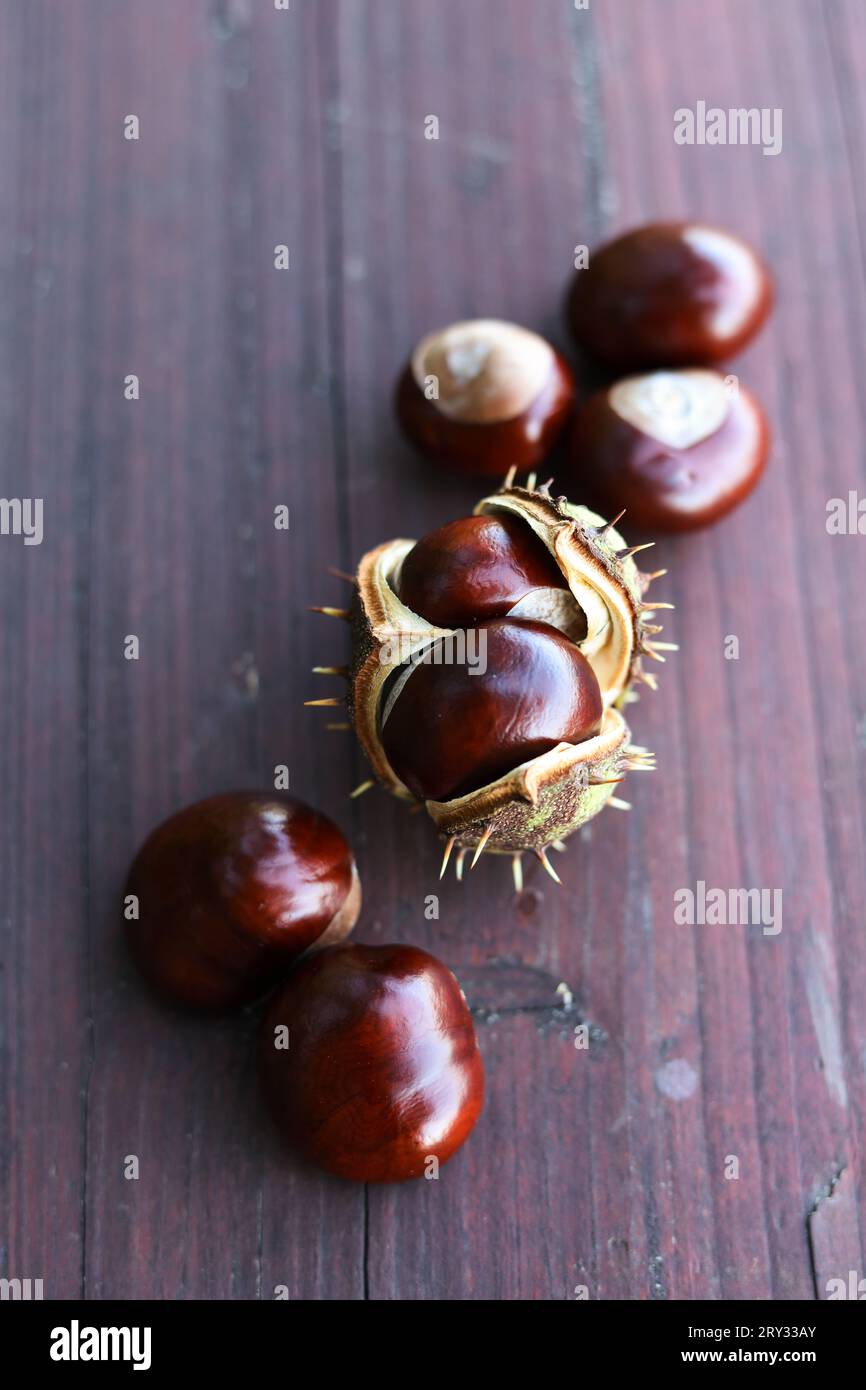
(607, 1167)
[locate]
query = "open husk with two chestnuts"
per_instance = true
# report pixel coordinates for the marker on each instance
(547, 600)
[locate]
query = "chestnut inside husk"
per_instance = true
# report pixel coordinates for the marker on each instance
(448, 728)
(600, 609)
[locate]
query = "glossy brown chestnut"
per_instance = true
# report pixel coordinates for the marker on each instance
(370, 1063)
(677, 449)
(669, 294)
(232, 890)
(483, 395)
(447, 730)
(475, 569)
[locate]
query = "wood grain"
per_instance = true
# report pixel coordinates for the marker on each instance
(601, 1167)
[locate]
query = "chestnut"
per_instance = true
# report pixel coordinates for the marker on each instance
(485, 395)
(230, 891)
(449, 728)
(475, 569)
(370, 1063)
(669, 294)
(677, 450)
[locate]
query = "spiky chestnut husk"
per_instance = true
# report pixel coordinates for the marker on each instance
(541, 803)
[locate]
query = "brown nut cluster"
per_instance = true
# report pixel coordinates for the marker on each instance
(492, 661)
(667, 299)
(368, 1054)
(678, 446)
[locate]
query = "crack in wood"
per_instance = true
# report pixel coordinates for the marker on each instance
(826, 1192)
(829, 1219)
(508, 987)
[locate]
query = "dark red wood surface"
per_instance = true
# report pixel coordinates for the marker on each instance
(604, 1167)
